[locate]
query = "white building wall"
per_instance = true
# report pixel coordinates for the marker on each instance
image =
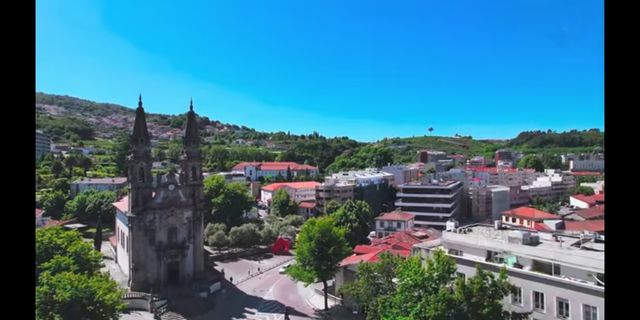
(122, 236)
(578, 203)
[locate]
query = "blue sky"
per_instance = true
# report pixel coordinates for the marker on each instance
(364, 69)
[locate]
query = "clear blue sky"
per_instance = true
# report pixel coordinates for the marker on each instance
(364, 69)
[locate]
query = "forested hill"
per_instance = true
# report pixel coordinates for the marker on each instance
(69, 119)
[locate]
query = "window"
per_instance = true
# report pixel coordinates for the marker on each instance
(516, 296)
(556, 269)
(563, 308)
(538, 301)
(141, 174)
(455, 252)
(589, 312)
(398, 225)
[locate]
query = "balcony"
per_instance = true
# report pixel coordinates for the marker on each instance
(424, 205)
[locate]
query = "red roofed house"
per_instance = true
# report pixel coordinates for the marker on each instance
(307, 208)
(584, 202)
(398, 243)
(255, 170)
(40, 218)
(586, 225)
(530, 218)
(390, 222)
(298, 191)
(592, 213)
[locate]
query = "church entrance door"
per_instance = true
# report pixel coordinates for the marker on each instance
(173, 273)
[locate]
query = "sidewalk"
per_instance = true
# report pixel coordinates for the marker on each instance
(244, 269)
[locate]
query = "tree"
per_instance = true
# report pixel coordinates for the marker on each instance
(61, 184)
(481, 297)
(69, 295)
(86, 164)
(587, 191)
(282, 205)
(355, 217)
(320, 246)
(71, 161)
(531, 161)
(244, 236)
(289, 177)
(53, 203)
(226, 201)
(374, 280)
(268, 235)
(213, 228)
(218, 240)
(331, 207)
(121, 150)
(551, 161)
(56, 167)
(91, 204)
(59, 250)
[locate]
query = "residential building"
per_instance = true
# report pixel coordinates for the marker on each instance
(255, 170)
(586, 165)
(298, 191)
(488, 202)
(505, 155)
(364, 177)
(43, 144)
(232, 176)
(555, 276)
(552, 185)
(100, 184)
(433, 202)
(592, 213)
(427, 156)
(458, 159)
(394, 221)
(598, 186)
(398, 243)
(477, 161)
(584, 202)
(332, 189)
(531, 218)
(403, 173)
(307, 209)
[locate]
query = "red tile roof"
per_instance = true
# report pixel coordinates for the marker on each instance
(587, 225)
(39, 212)
(274, 166)
(495, 169)
(585, 173)
(123, 204)
(530, 213)
(292, 185)
(591, 213)
(591, 200)
(307, 204)
(395, 216)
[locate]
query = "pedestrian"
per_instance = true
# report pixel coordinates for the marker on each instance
(286, 313)
(231, 279)
(258, 269)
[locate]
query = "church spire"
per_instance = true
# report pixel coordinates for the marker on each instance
(140, 133)
(191, 134)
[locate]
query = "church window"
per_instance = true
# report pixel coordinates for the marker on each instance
(172, 235)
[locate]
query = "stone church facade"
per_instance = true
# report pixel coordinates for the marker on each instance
(161, 220)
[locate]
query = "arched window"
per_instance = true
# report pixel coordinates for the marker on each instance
(193, 174)
(141, 174)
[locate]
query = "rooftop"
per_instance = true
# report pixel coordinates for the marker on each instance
(563, 251)
(530, 213)
(272, 166)
(116, 180)
(432, 183)
(591, 200)
(587, 225)
(292, 185)
(591, 213)
(395, 216)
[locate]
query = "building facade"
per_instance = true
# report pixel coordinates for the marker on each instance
(256, 170)
(364, 177)
(43, 144)
(392, 222)
(298, 191)
(488, 202)
(100, 184)
(556, 277)
(402, 174)
(432, 203)
(586, 165)
(332, 189)
(159, 228)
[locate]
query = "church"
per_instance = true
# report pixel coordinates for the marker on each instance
(159, 225)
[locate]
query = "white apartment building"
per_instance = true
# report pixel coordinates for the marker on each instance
(298, 191)
(43, 144)
(550, 186)
(100, 184)
(432, 203)
(255, 170)
(556, 277)
(364, 177)
(586, 165)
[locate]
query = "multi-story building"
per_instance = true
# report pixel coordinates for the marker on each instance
(586, 165)
(100, 184)
(531, 218)
(43, 144)
(254, 170)
(584, 202)
(433, 203)
(427, 156)
(477, 161)
(364, 177)
(298, 191)
(391, 222)
(550, 186)
(233, 176)
(555, 276)
(403, 173)
(488, 202)
(332, 189)
(598, 186)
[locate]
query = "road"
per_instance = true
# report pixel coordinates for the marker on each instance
(262, 296)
